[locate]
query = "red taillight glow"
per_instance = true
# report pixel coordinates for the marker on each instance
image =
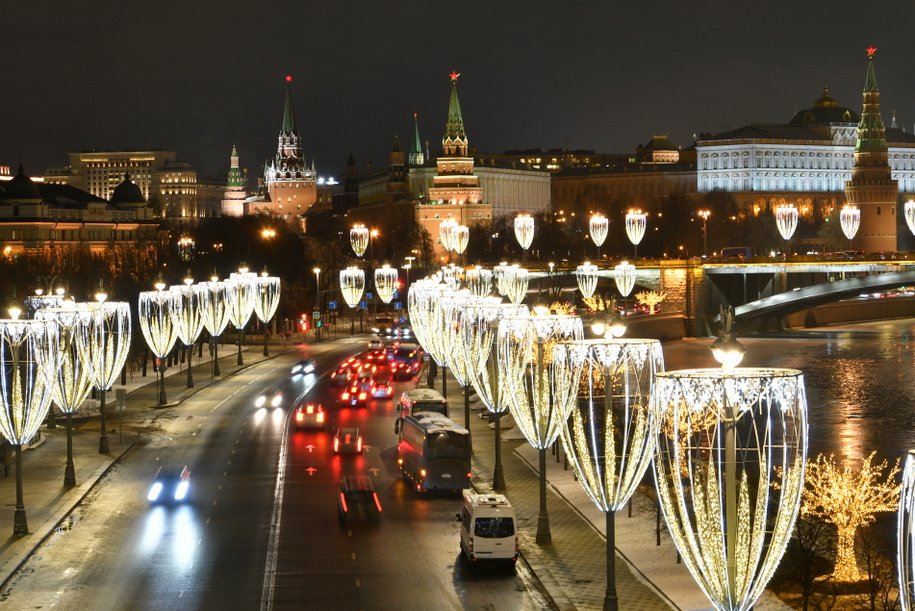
(469, 475)
(362, 395)
(320, 416)
(299, 416)
(378, 503)
(345, 396)
(400, 461)
(336, 444)
(311, 409)
(343, 503)
(422, 473)
(359, 444)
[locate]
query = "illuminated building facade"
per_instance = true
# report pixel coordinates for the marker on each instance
(233, 201)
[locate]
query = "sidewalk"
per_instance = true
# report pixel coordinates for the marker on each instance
(572, 568)
(46, 499)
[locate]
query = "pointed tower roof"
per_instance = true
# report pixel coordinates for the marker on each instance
(871, 132)
(417, 143)
(395, 148)
(235, 176)
(288, 115)
(351, 160)
(454, 128)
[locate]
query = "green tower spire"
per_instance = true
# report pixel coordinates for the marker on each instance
(235, 177)
(454, 128)
(288, 115)
(871, 132)
(416, 157)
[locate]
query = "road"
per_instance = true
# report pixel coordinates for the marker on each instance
(116, 551)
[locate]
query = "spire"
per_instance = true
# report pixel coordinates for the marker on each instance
(416, 157)
(396, 146)
(235, 175)
(893, 122)
(455, 140)
(871, 132)
(288, 115)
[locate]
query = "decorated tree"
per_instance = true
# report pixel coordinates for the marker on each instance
(849, 500)
(650, 299)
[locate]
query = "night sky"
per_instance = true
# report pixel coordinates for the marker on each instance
(194, 77)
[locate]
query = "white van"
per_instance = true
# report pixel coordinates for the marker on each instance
(422, 400)
(488, 528)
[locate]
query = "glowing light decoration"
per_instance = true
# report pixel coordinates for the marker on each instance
(478, 332)
(187, 320)
(28, 359)
(158, 329)
(786, 220)
(729, 470)
(586, 276)
(515, 280)
(478, 280)
(850, 219)
(106, 335)
(266, 301)
(214, 312)
(636, 224)
(385, 282)
(446, 233)
(359, 239)
(624, 277)
(454, 316)
(352, 285)
(460, 237)
(905, 532)
(909, 209)
(498, 274)
(241, 293)
(417, 301)
(451, 275)
(599, 225)
(610, 435)
(525, 356)
(524, 230)
(438, 333)
(73, 375)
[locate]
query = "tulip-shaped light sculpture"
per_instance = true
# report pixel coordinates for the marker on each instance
(438, 333)
(525, 355)
(636, 224)
(524, 231)
(624, 276)
(158, 329)
(266, 301)
(241, 293)
(610, 437)
(586, 276)
(352, 286)
(729, 471)
(28, 358)
(598, 226)
(850, 220)
(515, 280)
(214, 312)
(905, 531)
(446, 234)
(73, 375)
(359, 239)
(106, 342)
(478, 332)
(455, 317)
(187, 319)
(478, 280)
(909, 212)
(786, 221)
(460, 237)
(386, 282)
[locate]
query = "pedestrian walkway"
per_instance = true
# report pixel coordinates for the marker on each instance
(572, 568)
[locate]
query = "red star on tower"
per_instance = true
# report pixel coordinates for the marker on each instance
(454, 75)
(288, 78)
(870, 52)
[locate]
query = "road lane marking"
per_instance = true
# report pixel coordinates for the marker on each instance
(273, 545)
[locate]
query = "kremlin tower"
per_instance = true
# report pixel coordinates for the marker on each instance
(871, 187)
(233, 200)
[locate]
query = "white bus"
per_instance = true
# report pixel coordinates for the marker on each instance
(433, 452)
(422, 400)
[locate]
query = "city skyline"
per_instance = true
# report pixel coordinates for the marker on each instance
(602, 79)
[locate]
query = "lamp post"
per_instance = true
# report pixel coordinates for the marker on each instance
(73, 374)
(598, 227)
(586, 277)
(463, 365)
(186, 318)
(704, 214)
(214, 312)
(158, 329)
(107, 337)
(905, 533)
(515, 281)
(850, 220)
(385, 282)
(732, 446)
(786, 222)
(317, 271)
(28, 358)
(446, 233)
(636, 223)
(525, 357)
(909, 210)
(606, 385)
(266, 301)
(352, 286)
(524, 232)
(359, 239)
(624, 277)
(241, 296)
(478, 280)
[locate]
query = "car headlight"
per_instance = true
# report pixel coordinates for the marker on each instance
(181, 490)
(259, 402)
(296, 369)
(309, 368)
(154, 491)
(277, 399)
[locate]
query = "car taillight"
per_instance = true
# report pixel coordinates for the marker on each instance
(345, 396)
(400, 461)
(362, 395)
(343, 502)
(320, 416)
(336, 444)
(311, 409)
(390, 391)
(377, 502)
(469, 475)
(359, 444)
(299, 416)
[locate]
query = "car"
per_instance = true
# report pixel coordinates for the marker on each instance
(272, 397)
(341, 376)
(171, 484)
(376, 356)
(384, 326)
(309, 416)
(347, 440)
(404, 372)
(353, 397)
(376, 344)
(357, 499)
(382, 388)
(305, 366)
(364, 377)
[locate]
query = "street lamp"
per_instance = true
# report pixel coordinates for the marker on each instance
(446, 233)
(241, 296)
(454, 317)
(214, 312)
(525, 356)
(516, 280)
(28, 359)
(107, 337)
(478, 280)
(605, 385)
(909, 209)
(586, 276)
(624, 277)
(359, 239)
(786, 221)
(524, 231)
(598, 227)
(636, 223)
(352, 285)
(266, 301)
(158, 328)
(460, 238)
(385, 282)
(317, 271)
(905, 534)
(850, 220)
(704, 214)
(186, 318)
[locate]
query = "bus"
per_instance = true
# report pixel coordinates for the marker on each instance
(737, 252)
(422, 400)
(433, 452)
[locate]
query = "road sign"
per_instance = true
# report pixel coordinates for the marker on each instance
(331, 305)
(398, 305)
(369, 296)
(363, 305)
(316, 315)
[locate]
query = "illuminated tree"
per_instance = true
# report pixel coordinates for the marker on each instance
(651, 299)
(848, 499)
